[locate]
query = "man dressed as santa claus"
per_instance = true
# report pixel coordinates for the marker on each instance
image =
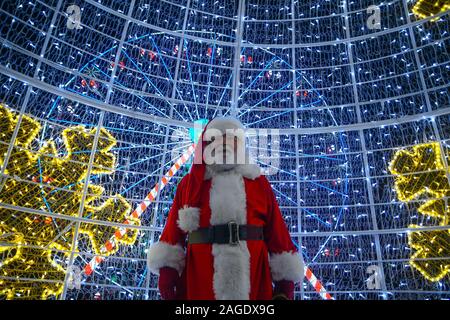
(225, 237)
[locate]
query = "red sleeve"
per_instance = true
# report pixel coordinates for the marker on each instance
(276, 233)
(169, 251)
(286, 263)
(172, 233)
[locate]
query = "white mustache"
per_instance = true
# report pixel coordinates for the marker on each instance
(227, 150)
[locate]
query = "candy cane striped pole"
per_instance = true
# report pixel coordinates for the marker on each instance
(317, 285)
(111, 243)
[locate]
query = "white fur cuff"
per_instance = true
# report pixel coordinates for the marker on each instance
(287, 266)
(189, 219)
(163, 254)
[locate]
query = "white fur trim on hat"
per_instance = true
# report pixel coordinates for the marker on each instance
(224, 123)
(189, 219)
(163, 254)
(286, 266)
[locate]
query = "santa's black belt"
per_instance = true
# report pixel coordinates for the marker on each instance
(229, 233)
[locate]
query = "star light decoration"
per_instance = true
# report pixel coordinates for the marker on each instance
(421, 172)
(35, 246)
(428, 8)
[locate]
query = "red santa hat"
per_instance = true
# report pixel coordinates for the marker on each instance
(225, 123)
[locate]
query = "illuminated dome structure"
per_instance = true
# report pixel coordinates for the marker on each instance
(98, 104)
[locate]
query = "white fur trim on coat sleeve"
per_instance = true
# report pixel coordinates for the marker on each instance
(189, 219)
(163, 254)
(286, 266)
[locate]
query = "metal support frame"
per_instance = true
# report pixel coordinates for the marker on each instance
(178, 123)
(360, 126)
(94, 150)
(166, 138)
(27, 95)
(237, 60)
(364, 153)
(296, 143)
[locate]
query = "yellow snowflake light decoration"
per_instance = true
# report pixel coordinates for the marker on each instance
(421, 172)
(34, 246)
(428, 8)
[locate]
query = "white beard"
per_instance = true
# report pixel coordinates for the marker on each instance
(244, 168)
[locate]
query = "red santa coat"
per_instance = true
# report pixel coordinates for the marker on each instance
(221, 271)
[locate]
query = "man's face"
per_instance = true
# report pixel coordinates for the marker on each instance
(224, 148)
(227, 150)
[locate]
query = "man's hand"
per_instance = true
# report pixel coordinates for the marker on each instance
(284, 290)
(168, 278)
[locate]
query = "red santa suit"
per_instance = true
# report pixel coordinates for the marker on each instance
(211, 271)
